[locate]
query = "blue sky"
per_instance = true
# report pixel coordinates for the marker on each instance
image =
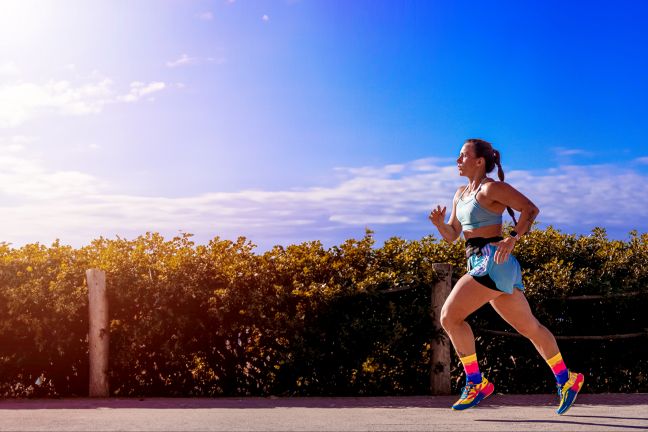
(294, 120)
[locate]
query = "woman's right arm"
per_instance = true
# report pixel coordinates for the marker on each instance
(449, 231)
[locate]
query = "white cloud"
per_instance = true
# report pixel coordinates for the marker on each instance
(25, 178)
(384, 171)
(362, 219)
(186, 60)
(183, 60)
(594, 195)
(206, 16)
(642, 160)
(9, 68)
(265, 18)
(139, 89)
(394, 199)
(561, 151)
(22, 101)
(15, 143)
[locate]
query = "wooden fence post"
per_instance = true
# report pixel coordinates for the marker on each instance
(440, 373)
(98, 334)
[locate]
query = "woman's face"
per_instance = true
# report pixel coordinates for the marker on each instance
(467, 162)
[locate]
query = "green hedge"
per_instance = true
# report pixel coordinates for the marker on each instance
(354, 319)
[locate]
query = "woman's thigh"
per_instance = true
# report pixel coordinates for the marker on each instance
(514, 309)
(466, 297)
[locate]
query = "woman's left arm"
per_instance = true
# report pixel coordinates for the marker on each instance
(509, 196)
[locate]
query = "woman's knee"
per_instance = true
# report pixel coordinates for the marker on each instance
(449, 318)
(530, 329)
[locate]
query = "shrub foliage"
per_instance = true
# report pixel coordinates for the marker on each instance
(355, 319)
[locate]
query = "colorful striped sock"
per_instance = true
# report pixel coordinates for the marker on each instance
(559, 369)
(472, 369)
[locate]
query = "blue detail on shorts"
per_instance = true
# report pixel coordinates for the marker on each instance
(504, 277)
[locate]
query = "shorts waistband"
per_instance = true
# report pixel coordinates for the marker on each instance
(475, 244)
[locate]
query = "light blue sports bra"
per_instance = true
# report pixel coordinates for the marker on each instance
(471, 215)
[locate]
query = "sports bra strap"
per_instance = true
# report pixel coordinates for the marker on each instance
(476, 191)
(463, 192)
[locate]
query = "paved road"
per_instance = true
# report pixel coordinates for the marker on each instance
(602, 412)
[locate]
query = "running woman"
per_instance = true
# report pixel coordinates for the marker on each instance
(494, 274)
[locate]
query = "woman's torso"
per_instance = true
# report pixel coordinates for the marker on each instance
(488, 209)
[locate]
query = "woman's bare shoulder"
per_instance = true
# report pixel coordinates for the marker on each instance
(496, 185)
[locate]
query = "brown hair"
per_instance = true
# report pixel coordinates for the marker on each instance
(484, 149)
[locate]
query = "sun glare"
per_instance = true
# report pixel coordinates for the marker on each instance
(24, 21)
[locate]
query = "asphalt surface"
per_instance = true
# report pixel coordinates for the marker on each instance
(592, 412)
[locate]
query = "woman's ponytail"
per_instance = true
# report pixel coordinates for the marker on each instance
(500, 174)
(500, 171)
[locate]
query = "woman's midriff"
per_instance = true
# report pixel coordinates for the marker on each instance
(487, 231)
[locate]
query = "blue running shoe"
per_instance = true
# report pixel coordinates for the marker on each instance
(568, 392)
(472, 394)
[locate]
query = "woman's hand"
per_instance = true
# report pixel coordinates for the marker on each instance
(437, 215)
(504, 249)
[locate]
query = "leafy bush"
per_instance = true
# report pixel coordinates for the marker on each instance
(354, 319)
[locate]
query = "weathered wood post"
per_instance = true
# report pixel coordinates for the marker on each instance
(98, 333)
(440, 373)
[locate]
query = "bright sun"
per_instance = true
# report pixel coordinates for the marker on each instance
(22, 21)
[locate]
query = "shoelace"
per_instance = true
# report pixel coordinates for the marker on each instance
(468, 390)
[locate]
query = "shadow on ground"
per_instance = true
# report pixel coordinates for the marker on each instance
(567, 420)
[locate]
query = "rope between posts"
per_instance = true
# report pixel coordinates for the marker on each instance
(593, 337)
(601, 297)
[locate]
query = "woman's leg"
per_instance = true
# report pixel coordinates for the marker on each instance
(515, 310)
(466, 297)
